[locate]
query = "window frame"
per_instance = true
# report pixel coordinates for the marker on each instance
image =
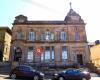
(63, 36)
(64, 54)
(31, 36)
(19, 35)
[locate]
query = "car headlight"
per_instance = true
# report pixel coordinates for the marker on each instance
(85, 72)
(55, 74)
(41, 74)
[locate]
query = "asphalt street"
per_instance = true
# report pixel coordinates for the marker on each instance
(6, 77)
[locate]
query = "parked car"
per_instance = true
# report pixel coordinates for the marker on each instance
(98, 70)
(72, 73)
(24, 71)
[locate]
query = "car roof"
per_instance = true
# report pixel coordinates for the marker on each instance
(24, 66)
(72, 69)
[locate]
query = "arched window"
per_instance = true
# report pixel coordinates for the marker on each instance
(63, 36)
(31, 36)
(17, 54)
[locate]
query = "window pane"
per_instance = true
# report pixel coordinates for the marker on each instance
(77, 36)
(47, 36)
(53, 54)
(47, 53)
(63, 35)
(52, 36)
(19, 35)
(30, 54)
(31, 36)
(64, 53)
(42, 57)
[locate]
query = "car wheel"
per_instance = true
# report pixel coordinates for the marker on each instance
(36, 77)
(61, 78)
(13, 76)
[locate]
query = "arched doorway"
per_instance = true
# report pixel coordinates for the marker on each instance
(18, 54)
(80, 59)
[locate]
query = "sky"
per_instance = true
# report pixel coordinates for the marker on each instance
(53, 10)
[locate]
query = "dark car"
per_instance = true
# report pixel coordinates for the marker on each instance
(72, 73)
(24, 71)
(98, 71)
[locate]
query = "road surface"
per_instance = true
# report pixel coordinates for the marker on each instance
(6, 77)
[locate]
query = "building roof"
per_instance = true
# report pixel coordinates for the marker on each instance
(7, 29)
(71, 18)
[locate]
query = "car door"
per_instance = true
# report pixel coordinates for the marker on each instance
(69, 74)
(19, 71)
(27, 72)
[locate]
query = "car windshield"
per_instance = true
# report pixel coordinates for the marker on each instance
(73, 71)
(26, 68)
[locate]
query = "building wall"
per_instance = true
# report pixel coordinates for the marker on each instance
(63, 42)
(7, 45)
(1, 39)
(74, 47)
(5, 41)
(95, 54)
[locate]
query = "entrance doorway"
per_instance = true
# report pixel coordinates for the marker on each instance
(80, 59)
(18, 54)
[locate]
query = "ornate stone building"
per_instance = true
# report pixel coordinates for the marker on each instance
(63, 42)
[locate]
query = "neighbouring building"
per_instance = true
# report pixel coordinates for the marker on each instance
(95, 53)
(5, 43)
(63, 42)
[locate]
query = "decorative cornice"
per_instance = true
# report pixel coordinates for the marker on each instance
(56, 41)
(46, 23)
(40, 23)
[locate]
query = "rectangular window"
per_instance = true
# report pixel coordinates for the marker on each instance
(19, 35)
(42, 55)
(77, 36)
(53, 53)
(47, 54)
(31, 36)
(64, 53)
(30, 54)
(42, 37)
(63, 36)
(47, 36)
